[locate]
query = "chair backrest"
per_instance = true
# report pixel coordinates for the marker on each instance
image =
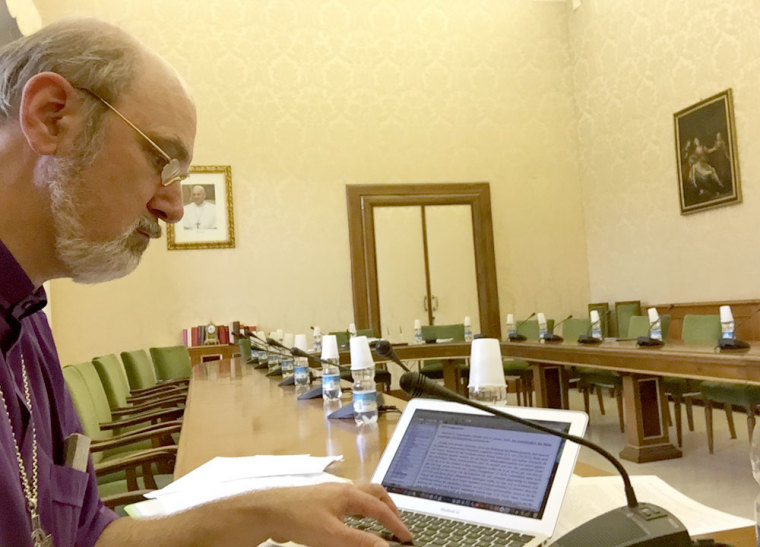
(244, 344)
(604, 316)
(369, 333)
(574, 327)
(529, 329)
(341, 337)
(84, 407)
(623, 313)
(444, 332)
(639, 326)
(701, 329)
(172, 362)
(114, 379)
(139, 369)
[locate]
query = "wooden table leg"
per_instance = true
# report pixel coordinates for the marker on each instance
(550, 382)
(646, 411)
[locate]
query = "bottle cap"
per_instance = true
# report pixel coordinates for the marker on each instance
(300, 342)
(330, 347)
(361, 356)
(725, 314)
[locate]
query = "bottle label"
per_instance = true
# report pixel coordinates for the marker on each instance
(727, 330)
(301, 371)
(330, 381)
(365, 401)
(596, 330)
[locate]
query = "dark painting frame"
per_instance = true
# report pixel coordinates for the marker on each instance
(706, 156)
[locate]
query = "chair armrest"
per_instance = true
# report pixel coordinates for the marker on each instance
(157, 390)
(158, 395)
(153, 404)
(152, 416)
(144, 459)
(156, 434)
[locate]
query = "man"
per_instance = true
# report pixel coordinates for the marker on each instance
(95, 133)
(199, 214)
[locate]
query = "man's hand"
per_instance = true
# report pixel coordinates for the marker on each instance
(311, 515)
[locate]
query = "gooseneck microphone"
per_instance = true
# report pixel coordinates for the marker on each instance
(384, 349)
(652, 525)
(515, 337)
(551, 337)
(275, 343)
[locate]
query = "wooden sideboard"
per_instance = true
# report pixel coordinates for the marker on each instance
(212, 352)
(745, 312)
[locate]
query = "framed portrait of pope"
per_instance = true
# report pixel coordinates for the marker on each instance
(207, 222)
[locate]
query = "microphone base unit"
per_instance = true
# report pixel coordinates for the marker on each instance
(313, 393)
(552, 338)
(732, 344)
(517, 338)
(647, 342)
(646, 525)
(260, 365)
(277, 371)
(347, 411)
(586, 339)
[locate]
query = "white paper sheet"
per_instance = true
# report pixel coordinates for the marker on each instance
(589, 497)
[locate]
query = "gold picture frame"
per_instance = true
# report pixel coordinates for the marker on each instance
(208, 221)
(706, 155)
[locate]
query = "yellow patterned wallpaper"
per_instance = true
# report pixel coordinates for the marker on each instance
(634, 65)
(302, 97)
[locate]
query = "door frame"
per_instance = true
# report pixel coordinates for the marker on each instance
(363, 198)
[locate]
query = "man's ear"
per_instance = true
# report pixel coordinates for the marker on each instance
(49, 113)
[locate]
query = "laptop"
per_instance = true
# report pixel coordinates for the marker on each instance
(462, 477)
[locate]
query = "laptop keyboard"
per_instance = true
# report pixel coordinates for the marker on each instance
(440, 532)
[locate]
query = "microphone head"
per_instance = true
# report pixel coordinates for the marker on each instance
(383, 348)
(412, 383)
(271, 341)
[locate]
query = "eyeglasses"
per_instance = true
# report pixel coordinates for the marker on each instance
(171, 172)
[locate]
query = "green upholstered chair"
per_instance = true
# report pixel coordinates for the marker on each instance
(244, 345)
(141, 375)
(433, 368)
(125, 464)
(114, 380)
(529, 329)
(623, 313)
(706, 330)
(573, 328)
(171, 362)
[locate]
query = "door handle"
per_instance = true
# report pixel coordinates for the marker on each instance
(435, 303)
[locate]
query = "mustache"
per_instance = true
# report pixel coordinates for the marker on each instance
(150, 226)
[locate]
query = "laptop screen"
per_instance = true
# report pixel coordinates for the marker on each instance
(477, 461)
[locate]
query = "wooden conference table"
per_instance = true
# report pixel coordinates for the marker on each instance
(234, 410)
(644, 399)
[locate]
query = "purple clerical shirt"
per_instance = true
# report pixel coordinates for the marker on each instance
(70, 508)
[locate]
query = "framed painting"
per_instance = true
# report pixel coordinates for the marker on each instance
(708, 170)
(207, 222)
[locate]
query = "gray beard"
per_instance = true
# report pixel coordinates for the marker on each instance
(90, 261)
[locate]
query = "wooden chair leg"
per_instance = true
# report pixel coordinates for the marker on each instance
(750, 421)
(619, 398)
(730, 419)
(677, 412)
(600, 396)
(586, 405)
(530, 393)
(709, 425)
(670, 417)
(689, 413)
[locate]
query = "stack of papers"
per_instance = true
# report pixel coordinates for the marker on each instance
(224, 477)
(589, 497)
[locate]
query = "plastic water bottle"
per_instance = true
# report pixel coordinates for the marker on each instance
(596, 325)
(351, 330)
(511, 327)
(273, 361)
(467, 329)
(365, 390)
(417, 332)
(301, 364)
(287, 366)
(655, 325)
(727, 323)
(331, 390)
(754, 457)
(317, 340)
(542, 328)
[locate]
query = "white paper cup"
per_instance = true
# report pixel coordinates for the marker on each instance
(361, 356)
(485, 364)
(287, 340)
(330, 347)
(300, 342)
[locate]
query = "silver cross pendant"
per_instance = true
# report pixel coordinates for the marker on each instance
(39, 537)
